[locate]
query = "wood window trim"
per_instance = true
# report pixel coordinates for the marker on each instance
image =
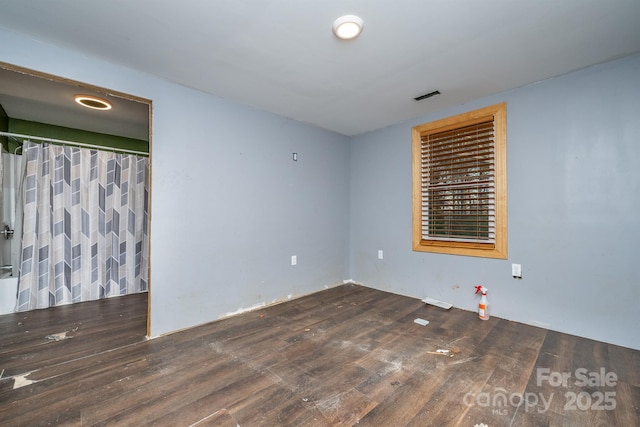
(494, 250)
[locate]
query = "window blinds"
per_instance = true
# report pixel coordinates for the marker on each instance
(458, 184)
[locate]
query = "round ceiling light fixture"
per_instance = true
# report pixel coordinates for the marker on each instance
(347, 27)
(93, 102)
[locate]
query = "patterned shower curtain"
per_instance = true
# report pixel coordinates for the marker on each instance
(85, 233)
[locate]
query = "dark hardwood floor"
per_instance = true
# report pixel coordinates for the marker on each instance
(344, 356)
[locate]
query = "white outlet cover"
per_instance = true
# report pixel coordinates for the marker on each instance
(516, 270)
(294, 259)
(380, 254)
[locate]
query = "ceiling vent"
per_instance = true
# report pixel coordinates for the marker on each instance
(427, 95)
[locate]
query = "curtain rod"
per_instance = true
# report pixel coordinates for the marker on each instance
(73, 143)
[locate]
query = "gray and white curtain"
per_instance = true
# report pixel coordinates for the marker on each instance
(85, 233)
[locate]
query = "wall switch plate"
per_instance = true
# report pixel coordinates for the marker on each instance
(294, 157)
(294, 259)
(380, 254)
(516, 271)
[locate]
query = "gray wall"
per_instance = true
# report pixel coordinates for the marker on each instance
(573, 209)
(229, 206)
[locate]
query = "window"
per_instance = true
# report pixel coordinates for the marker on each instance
(460, 184)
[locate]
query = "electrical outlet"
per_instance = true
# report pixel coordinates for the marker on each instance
(294, 259)
(516, 271)
(380, 254)
(294, 157)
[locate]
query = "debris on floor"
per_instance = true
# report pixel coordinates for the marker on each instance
(437, 303)
(444, 352)
(21, 380)
(440, 353)
(420, 321)
(59, 336)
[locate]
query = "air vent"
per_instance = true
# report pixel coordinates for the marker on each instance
(427, 95)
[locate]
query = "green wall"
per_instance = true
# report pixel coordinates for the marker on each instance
(44, 130)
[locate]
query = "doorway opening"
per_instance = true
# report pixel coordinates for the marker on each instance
(45, 107)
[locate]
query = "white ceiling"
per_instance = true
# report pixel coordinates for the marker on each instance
(28, 97)
(281, 55)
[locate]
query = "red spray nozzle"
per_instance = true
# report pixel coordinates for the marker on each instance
(480, 288)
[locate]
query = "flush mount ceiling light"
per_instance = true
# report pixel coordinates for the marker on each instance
(93, 102)
(347, 27)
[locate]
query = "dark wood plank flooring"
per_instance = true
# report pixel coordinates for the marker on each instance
(344, 356)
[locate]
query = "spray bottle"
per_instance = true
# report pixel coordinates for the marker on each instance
(483, 305)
